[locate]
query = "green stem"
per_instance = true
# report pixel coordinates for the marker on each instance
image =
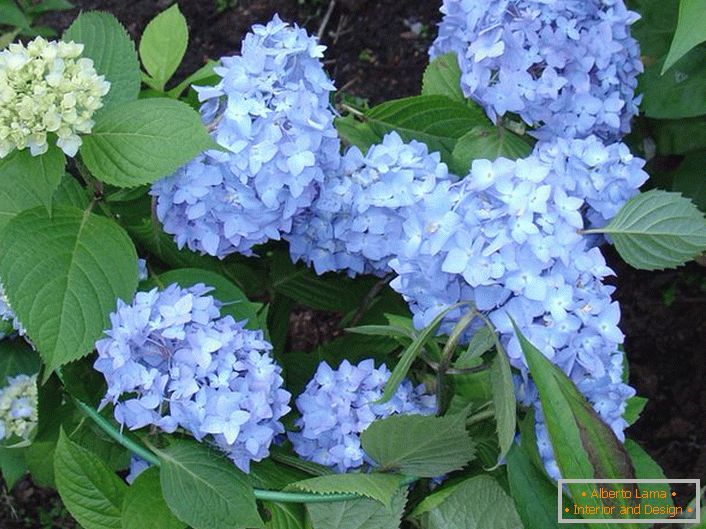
(264, 495)
(115, 434)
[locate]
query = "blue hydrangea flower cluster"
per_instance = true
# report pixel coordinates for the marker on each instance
(339, 404)
(270, 113)
(568, 67)
(18, 407)
(172, 361)
(355, 224)
(508, 239)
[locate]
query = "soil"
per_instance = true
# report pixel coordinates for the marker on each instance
(377, 51)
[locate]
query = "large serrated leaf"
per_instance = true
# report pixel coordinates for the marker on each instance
(70, 193)
(328, 292)
(163, 45)
(144, 506)
(435, 120)
(12, 465)
(285, 515)
(376, 486)
(489, 143)
(11, 15)
(691, 30)
(504, 401)
(584, 446)
(534, 495)
(477, 503)
(108, 44)
(416, 445)
(657, 230)
(358, 514)
(27, 181)
(648, 468)
(141, 141)
(205, 490)
(92, 493)
(443, 78)
(63, 275)
(672, 95)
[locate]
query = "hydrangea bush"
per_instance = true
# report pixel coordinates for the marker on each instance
(456, 239)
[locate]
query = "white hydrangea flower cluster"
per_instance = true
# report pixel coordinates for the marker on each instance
(18, 407)
(47, 87)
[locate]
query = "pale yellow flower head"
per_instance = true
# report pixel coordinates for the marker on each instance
(47, 87)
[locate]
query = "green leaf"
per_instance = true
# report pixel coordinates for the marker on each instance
(489, 143)
(679, 93)
(680, 136)
(50, 5)
(285, 515)
(504, 401)
(267, 474)
(357, 514)
(70, 193)
(199, 76)
(205, 490)
(91, 492)
(690, 178)
(585, 447)
(141, 141)
(633, 409)
(330, 292)
(144, 505)
(411, 353)
(657, 230)
(17, 357)
(691, 30)
(443, 78)
(113, 52)
(417, 445)
(63, 275)
(11, 15)
(648, 468)
(483, 340)
(534, 495)
(12, 465)
(163, 45)
(50, 414)
(655, 28)
(381, 330)
(435, 120)
(235, 303)
(376, 486)
(477, 503)
(354, 132)
(28, 181)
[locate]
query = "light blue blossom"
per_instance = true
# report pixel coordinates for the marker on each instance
(137, 467)
(567, 67)
(507, 238)
(270, 113)
(339, 404)
(355, 224)
(172, 361)
(18, 407)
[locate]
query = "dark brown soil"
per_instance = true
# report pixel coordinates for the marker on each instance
(377, 51)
